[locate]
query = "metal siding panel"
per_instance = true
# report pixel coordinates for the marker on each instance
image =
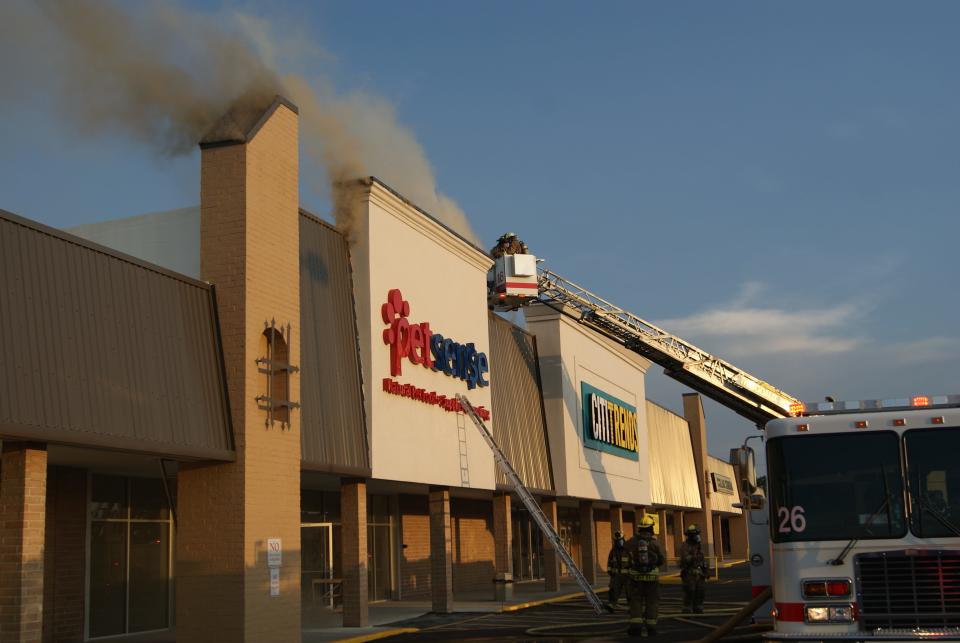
(98, 346)
(333, 428)
(673, 473)
(519, 426)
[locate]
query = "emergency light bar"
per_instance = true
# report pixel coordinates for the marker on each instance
(904, 403)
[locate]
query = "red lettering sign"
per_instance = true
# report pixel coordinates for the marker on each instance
(450, 404)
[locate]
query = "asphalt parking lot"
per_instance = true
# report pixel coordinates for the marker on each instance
(574, 620)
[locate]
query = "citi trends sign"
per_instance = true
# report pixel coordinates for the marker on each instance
(417, 343)
(609, 424)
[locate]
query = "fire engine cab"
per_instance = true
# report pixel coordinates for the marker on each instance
(863, 513)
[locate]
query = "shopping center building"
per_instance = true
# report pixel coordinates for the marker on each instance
(221, 420)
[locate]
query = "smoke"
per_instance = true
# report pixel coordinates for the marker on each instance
(164, 76)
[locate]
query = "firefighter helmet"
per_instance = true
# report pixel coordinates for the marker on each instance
(693, 529)
(647, 522)
(617, 535)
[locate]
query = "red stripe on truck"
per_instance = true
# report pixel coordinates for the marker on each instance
(792, 612)
(515, 284)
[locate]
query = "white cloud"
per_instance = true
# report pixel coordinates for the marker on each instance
(741, 328)
(926, 350)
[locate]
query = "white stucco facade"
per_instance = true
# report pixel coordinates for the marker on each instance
(443, 279)
(572, 356)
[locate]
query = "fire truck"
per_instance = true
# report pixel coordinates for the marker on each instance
(857, 531)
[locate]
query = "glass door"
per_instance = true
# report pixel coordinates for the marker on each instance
(318, 578)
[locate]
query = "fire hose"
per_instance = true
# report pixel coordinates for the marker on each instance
(735, 620)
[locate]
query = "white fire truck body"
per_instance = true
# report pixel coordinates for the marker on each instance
(864, 503)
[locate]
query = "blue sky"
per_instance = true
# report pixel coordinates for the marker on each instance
(776, 182)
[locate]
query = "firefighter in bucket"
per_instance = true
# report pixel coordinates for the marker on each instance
(646, 560)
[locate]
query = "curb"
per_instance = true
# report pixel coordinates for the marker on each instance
(374, 636)
(553, 599)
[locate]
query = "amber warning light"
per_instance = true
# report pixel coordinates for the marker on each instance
(921, 400)
(796, 408)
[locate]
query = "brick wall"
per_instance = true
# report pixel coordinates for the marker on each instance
(473, 547)
(65, 554)
(414, 568)
(23, 494)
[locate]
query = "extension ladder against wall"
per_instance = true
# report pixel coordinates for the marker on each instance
(532, 506)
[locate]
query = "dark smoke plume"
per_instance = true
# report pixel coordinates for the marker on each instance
(163, 75)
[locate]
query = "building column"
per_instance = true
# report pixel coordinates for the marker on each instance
(23, 499)
(697, 424)
(238, 523)
(739, 543)
(441, 551)
(663, 537)
(353, 548)
(616, 520)
(551, 562)
(588, 544)
(717, 537)
(679, 529)
(502, 538)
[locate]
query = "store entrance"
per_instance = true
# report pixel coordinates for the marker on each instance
(527, 547)
(320, 578)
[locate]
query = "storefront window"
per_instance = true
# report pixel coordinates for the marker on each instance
(130, 542)
(527, 547)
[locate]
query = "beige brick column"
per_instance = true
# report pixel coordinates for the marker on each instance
(662, 537)
(551, 562)
(353, 547)
(441, 551)
(23, 497)
(697, 423)
(502, 537)
(228, 513)
(588, 542)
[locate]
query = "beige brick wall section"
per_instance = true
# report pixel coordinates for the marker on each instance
(23, 496)
(415, 552)
(604, 531)
(65, 554)
(588, 542)
(250, 252)
(473, 545)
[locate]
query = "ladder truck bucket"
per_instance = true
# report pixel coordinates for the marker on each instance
(549, 533)
(512, 282)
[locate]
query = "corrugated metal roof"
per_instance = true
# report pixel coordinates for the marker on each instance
(333, 430)
(519, 423)
(673, 472)
(100, 349)
(724, 501)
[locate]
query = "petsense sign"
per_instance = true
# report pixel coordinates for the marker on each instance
(609, 424)
(417, 343)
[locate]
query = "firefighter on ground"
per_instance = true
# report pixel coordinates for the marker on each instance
(618, 567)
(693, 571)
(646, 559)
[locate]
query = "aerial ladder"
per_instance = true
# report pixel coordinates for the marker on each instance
(517, 280)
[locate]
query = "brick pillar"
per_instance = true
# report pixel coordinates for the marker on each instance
(697, 424)
(227, 513)
(23, 499)
(662, 537)
(502, 537)
(441, 551)
(551, 562)
(588, 542)
(353, 548)
(616, 520)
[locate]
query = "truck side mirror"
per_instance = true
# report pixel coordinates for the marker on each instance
(744, 462)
